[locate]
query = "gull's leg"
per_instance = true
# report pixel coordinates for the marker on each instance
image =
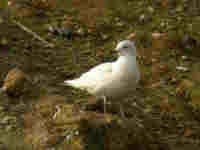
(104, 103)
(121, 111)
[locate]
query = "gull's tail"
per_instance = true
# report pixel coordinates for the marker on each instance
(73, 83)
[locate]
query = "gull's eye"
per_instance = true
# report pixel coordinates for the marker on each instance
(125, 47)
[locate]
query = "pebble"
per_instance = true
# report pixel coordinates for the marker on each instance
(15, 81)
(181, 68)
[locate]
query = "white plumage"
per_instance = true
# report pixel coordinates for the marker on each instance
(113, 79)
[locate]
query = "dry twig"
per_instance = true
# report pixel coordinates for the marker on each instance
(36, 36)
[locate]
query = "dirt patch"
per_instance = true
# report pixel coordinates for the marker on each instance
(162, 114)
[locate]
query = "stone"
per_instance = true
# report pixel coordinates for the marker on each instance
(16, 82)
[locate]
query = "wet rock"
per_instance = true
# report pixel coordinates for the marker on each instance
(16, 83)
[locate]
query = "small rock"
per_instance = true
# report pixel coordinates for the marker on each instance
(105, 36)
(142, 18)
(65, 32)
(150, 9)
(120, 24)
(16, 82)
(154, 60)
(4, 42)
(50, 28)
(163, 24)
(184, 57)
(9, 3)
(181, 68)
(156, 35)
(80, 31)
(131, 36)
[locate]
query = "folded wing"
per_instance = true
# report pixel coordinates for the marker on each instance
(89, 80)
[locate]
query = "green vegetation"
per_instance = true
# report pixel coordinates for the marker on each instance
(162, 114)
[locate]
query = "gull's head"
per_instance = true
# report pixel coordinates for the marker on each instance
(125, 48)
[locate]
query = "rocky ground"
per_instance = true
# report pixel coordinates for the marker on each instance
(44, 42)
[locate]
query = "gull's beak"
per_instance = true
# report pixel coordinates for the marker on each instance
(117, 50)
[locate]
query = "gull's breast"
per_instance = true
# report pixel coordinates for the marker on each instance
(122, 82)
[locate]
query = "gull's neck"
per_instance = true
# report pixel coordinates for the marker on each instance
(125, 63)
(126, 59)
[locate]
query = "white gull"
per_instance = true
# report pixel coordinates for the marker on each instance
(113, 80)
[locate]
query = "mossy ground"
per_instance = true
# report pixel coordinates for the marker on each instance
(162, 114)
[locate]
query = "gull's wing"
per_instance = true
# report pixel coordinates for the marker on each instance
(98, 72)
(92, 78)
